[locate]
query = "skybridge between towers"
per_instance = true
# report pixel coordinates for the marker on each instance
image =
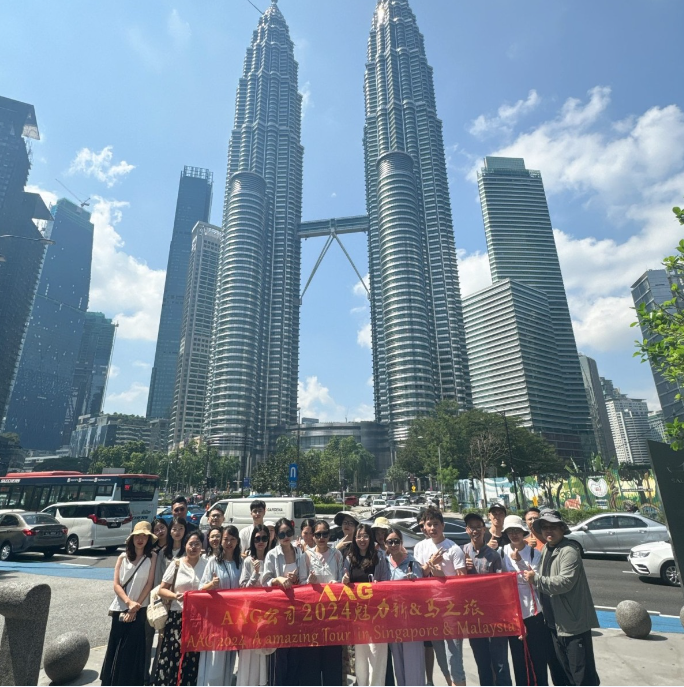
(332, 228)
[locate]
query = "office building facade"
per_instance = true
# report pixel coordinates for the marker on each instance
(255, 345)
(193, 205)
(521, 247)
(597, 407)
(42, 395)
(107, 430)
(21, 250)
(419, 352)
(513, 360)
(630, 428)
(653, 288)
(187, 416)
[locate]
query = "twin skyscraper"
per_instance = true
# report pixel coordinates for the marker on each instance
(418, 333)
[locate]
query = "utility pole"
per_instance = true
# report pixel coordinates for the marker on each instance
(510, 461)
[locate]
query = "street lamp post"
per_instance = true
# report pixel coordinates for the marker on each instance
(510, 461)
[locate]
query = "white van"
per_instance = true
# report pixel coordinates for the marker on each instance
(237, 511)
(93, 524)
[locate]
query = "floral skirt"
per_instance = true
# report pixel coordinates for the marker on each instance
(169, 653)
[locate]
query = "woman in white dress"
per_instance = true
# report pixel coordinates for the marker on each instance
(222, 572)
(253, 663)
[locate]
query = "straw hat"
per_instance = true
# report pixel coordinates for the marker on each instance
(381, 524)
(339, 518)
(142, 527)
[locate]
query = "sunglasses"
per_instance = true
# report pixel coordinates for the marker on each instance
(263, 540)
(392, 542)
(285, 534)
(321, 535)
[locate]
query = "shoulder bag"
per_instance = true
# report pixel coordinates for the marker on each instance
(158, 608)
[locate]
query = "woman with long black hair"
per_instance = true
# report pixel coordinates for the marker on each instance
(183, 575)
(124, 662)
(365, 563)
(222, 572)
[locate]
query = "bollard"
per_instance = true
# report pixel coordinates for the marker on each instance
(633, 619)
(25, 608)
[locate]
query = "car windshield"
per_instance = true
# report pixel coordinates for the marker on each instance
(39, 519)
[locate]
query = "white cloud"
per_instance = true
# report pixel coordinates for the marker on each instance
(333, 195)
(506, 117)
(473, 272)
(178, 29)
(142, 364)
(307, 100)
(133, 395)
(369, 382)
(121, 285)
(99, 165)
(114, 371)
(630, 170)
(364, 413)
(359, 289)
(315, 400)
(359, 310)
(364, 336)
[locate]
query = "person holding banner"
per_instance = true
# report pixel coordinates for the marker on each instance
(529, 666)
(408, 657)
(323, 665)
(491, 653)
(182, 575)
(221, 572)
(440, 557)
(365, 563)
(253, 663)
(285, 566)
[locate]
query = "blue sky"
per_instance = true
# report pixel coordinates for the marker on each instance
(126, 93)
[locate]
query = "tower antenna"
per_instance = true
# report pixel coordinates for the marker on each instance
(84, 203)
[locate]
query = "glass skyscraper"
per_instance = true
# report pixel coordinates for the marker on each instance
(20, 259)
(521, 248)
(252, 387)
(187, 416)
(419, 352)
(193, 205)
(42, 394)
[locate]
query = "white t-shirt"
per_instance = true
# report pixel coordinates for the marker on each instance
(188, 579)
(530, 560)
(245, 536)
(452, 560)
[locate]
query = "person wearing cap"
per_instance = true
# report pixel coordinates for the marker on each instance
(380, 528)
(124, 662)
(348, 522)
(517, 557)
(566, 599)
(495, 538)
(491, 653)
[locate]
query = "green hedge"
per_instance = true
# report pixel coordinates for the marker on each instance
(328, 508)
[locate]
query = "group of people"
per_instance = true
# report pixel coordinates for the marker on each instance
(554, 597)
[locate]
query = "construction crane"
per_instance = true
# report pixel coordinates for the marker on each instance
(84, 203)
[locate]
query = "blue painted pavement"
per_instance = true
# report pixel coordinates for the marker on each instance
(659, 623)
(85, 572)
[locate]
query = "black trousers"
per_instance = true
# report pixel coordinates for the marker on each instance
(530, 668)
(321, 665)
(491, 657)
(286, 666)
(576, 655)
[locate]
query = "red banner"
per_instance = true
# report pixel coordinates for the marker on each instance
(317, 615)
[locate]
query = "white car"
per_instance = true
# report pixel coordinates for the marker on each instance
(378, 504)
(365, 500)
(655, 559)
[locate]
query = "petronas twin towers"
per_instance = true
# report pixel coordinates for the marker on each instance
(419, 354)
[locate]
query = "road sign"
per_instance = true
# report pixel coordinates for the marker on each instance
(246, 483)
(294, 472)
(293, 484)
(413, 488)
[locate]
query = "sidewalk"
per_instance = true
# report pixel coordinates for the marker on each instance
(619, 659)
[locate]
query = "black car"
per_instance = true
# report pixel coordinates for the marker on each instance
(22, 532)
(454, 528)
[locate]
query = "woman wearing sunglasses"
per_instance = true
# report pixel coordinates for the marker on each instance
(222, 572)
(323, 665)
(366, 564)
(408, 657)
(253, 663)
(285, 566)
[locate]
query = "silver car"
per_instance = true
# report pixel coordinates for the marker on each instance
(616, 533)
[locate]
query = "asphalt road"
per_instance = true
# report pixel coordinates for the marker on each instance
(82, 588)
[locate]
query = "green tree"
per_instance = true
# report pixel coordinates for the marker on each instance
(663, 329)
(397, 476)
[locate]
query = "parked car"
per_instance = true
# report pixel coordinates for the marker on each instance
(194, 516)
(365, 500)
(93, 524)
(237, 511)
(655, 559)
(616, 533)
(405, 516)
(351, 500)
(410, 538)
(22, 531)
(378, 505)
(401, 501)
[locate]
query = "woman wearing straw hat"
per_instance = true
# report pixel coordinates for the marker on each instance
(381, 526)
(124, 662)
(348, 522)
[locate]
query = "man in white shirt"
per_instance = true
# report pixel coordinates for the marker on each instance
(257, 510)
(440, 557)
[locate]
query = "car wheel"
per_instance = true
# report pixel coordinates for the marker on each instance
(5, 551)
(72, 545)
(669, 575)
(49, 553)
